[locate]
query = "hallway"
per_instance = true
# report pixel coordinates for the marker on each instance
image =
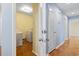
(70, 48)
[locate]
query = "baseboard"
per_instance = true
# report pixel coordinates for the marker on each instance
(35, 53)
(51, 50)
(74, 36)
(55, 48)
(66, 38)
(60, 45)
(48, 53)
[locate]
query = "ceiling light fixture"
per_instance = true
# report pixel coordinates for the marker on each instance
(50, 9)
(72, 12)
(67, 3)
(26, 9)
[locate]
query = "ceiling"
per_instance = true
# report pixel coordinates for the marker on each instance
(70, 9)
(23, 6)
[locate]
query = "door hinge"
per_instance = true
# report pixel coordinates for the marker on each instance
(45, 31)
(41, 40)
(47, 39)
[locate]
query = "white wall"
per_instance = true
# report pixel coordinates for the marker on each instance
(24, 23)
(35, 29)
(60, 28)
(74, 27)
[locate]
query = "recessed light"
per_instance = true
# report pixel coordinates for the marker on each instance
(26, 9)
(50, 9)
(72, 12)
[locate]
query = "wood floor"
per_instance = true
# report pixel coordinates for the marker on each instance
(70, 48)
(25, 50)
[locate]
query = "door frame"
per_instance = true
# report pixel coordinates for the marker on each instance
(8, 29)
(41, 52)
(12, 30)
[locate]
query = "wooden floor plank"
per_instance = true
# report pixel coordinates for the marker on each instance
(70, 48)
(25, 50)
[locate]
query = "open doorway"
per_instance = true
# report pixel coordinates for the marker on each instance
(74, 28)
(74, 34)
(25, 29)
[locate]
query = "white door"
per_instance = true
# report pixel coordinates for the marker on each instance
(42, 30)
(51, 31)
(55, 29)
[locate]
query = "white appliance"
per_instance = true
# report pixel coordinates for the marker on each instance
(19, 39)
(29, 36)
